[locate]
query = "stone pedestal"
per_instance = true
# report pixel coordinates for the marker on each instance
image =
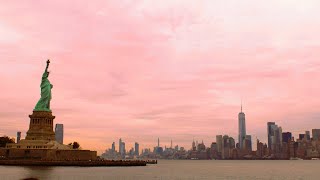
(41, 126)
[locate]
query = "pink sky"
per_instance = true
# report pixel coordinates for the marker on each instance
(170, 69)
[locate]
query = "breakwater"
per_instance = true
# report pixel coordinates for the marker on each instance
(73, 163)
(152, 161)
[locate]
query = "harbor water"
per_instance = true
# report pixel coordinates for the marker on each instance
(177, 170)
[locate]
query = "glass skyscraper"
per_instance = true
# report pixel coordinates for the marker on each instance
(270, 133)
(59, 133)
(136, 149)
(242, 128)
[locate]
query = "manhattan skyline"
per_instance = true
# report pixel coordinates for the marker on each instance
(140, 70)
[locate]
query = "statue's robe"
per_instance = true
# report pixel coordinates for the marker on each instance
(44, 102)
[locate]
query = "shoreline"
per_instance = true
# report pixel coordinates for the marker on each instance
(97, 163)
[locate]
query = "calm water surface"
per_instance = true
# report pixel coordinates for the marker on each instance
(176, 170)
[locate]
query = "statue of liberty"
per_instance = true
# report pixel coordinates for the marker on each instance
(44, 102)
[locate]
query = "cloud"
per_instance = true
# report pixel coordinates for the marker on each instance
(176, 69)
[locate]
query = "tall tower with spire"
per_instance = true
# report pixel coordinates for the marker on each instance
(158, 142)
(242, 128)
(193, 145)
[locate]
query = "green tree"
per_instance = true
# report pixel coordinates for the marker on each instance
(4, 140)
(75, 145)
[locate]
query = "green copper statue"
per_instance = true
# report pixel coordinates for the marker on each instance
(44, 102)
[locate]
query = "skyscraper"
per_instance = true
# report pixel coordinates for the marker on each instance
(308, 135)
(193, 145)
(219, 143)
(274, 137)
(123, 149)
(302, 136)
(286, 137)
(248, 143)
(270, 133)
(120, 145)
(242, 128)
(18, 137)
(315, 134)
(136, 149)
(228, 144)
(113, 149)
(176, 148)
(260, 149)
(59, 133)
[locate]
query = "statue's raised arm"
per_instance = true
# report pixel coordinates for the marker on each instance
(48, 62)
(44, 102)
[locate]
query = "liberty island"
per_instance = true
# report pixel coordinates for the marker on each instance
(40, 147)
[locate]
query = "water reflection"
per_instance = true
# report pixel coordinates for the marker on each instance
(37, 172)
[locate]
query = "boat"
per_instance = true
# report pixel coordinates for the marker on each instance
(295, 158)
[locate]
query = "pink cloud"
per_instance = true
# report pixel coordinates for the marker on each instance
(174, 70)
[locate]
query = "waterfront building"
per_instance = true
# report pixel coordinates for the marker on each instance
(270, 133)
(286, 137)
(193, 146)
(259, 152)
(219, 143)
(277, 139)
(293, 148)
(213, 150)
(123, 149)
(301, 136)
(120, 144)
(228, 144)
(315, 134)
(59, 133)
(232, 142)
(274, 138)
(113, 147)
(136, 149)
(214, 146)
(285, 150)
(248, 143)
(242, 128)
(176, 148)
(308, 135)
(18, 137)
(201, 146)
(158, 150)
(225, 154)
(131, 152)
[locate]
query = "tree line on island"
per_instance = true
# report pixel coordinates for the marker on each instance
(5, 139)
(75, 145)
